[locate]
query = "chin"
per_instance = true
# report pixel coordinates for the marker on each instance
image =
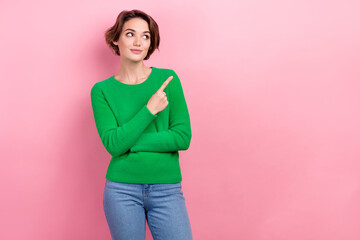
(139, 59)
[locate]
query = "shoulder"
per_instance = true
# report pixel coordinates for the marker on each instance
(165, 71)
(101, 85)
(175, 84)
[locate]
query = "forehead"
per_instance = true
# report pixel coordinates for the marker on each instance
(136, 24)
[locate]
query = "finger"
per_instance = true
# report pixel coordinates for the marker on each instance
(163, 86)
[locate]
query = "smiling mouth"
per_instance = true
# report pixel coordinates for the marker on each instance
(136, 51)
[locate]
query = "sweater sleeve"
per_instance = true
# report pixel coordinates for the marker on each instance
(178, 136)
(117, 140)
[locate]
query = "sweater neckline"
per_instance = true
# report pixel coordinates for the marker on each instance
(134, 85)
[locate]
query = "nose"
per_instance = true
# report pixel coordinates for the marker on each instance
(137, 41)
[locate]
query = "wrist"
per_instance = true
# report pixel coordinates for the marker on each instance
(151, 111)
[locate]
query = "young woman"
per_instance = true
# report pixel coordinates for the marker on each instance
(143, 121)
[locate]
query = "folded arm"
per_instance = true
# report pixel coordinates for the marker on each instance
(117, 140)
(178, 136)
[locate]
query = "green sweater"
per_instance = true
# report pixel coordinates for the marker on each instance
(144, 147)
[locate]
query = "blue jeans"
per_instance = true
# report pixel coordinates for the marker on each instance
(127, 205)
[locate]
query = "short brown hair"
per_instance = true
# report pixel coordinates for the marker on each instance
(113, 33)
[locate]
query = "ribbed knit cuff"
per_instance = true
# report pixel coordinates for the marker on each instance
(148, 111)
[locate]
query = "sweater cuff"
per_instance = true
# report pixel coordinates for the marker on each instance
(147, 112)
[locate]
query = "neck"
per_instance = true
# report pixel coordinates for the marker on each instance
(132, 72)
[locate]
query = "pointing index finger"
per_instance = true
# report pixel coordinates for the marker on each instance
(163, 86)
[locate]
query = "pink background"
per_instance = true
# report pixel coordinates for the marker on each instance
(273, 90)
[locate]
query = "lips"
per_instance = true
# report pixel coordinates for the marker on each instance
(136, 51)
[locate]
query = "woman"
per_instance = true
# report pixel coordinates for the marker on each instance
(143, 121)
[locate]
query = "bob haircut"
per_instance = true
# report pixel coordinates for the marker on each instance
(113, 33)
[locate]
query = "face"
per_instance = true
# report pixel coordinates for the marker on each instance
(134, 36)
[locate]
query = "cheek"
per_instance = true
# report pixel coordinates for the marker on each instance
(125, 41)
(123, 44)
(146, 44)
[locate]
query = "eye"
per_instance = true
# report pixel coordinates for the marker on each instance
(146, 36)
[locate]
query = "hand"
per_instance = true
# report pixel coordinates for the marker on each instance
(158, 101)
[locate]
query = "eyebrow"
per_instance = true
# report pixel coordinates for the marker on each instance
(135, 31)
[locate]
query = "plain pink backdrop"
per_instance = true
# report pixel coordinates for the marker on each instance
(273, 90)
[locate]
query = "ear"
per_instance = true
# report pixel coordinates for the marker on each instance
(115, 43)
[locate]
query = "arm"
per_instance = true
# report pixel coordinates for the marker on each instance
(117, 140)
(178, 136)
